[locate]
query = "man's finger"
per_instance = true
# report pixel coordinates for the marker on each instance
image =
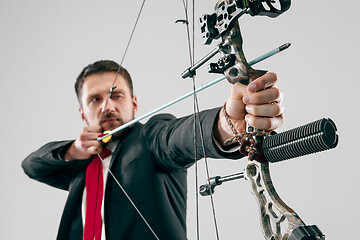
(265, 96)
(263, 82)
(265, 110)
(238, 91)
(264, 123)
(95, 150)
(96, 128)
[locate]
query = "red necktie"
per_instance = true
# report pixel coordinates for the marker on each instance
(94, 194)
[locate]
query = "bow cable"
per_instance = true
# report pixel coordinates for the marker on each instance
(191, 59)
(197, 118)
(191, 49)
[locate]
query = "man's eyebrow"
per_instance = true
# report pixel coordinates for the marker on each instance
(118, 90)
(93, 95)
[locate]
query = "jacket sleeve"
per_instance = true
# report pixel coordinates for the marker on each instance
(45, 165)
(172, 139)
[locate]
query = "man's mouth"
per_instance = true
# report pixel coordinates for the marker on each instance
(110, 120)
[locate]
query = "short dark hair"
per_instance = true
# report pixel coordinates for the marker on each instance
(102, 67)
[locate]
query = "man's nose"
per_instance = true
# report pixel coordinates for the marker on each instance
(109, 106)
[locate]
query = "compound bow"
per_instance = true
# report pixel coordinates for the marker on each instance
(279, 221)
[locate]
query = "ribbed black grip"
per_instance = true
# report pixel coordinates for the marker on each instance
(310, 138)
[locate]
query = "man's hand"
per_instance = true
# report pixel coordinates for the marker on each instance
(259, 104)
(85, 145)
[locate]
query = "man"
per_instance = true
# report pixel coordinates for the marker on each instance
(149, 160)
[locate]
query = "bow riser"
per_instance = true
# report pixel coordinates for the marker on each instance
(241, 70)
(278, 220)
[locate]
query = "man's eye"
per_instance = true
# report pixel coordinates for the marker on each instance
(116, 96)
(96, 99)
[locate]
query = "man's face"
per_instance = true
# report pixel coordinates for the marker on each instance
(120, 108)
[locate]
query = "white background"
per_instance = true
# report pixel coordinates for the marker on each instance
(45, 44)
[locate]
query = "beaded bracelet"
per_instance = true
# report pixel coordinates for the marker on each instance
(251, 146)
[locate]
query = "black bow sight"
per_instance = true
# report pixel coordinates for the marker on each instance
(227, 12)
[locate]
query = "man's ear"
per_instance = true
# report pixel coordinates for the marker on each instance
(135, 104)
(83, 116)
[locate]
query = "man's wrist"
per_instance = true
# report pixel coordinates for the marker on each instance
(66, 152)
(222, 130)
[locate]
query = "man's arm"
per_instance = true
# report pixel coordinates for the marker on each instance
(172, 140)
(260, 104)
(55, 162)
(46, 165)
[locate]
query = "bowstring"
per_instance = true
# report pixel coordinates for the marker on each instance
(197, 122)
(101, 118)
(128, 197)
(122, 59)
